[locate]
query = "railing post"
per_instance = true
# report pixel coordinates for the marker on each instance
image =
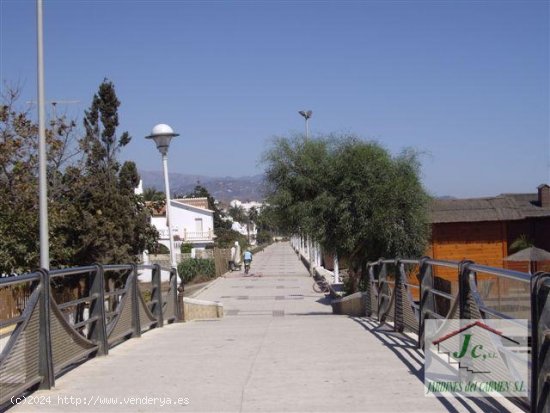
(427, 304)
(464, 289)
(398, 322)
(134, 291)
(175, 293)
(369, 293)
(540, 343)
(156, 282)
(98, 333)
(382, 290)
(45, 338)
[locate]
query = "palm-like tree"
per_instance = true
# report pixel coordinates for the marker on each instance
(520, 243)
(152, 194)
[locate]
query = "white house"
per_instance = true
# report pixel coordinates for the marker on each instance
(192, 222)
(246, 205)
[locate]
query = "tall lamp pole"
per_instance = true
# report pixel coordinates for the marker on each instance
(42, 182)
(306, 115)
(162, 135)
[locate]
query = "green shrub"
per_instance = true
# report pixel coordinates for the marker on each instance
(186, 248)
(264, 237)
(193, 269)
(159, 249)
(225, 238)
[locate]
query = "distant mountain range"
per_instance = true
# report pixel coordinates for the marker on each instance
(224, 189)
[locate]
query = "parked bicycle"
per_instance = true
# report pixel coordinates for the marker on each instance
(321, 285)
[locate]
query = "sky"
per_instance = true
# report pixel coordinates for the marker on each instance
(465, 83)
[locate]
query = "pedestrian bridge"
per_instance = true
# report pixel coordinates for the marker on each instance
(279, 347)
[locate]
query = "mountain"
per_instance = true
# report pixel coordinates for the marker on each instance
(224, 189)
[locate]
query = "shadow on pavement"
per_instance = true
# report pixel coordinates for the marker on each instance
(406, 350)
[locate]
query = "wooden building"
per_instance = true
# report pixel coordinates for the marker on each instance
(482, 229)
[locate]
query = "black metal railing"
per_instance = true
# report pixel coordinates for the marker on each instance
(409, 292)
(74, 314)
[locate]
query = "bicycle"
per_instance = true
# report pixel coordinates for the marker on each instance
(321, 285)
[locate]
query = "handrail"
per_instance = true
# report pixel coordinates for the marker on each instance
(501, 272)
(19, 279)
(71, 271)
(393, 302)
(88, 324)
(389, 298)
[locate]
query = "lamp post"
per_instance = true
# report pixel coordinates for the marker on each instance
(42, 159)
(306, 115)
(162, 135)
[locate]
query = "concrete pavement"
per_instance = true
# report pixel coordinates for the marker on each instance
(278, 349)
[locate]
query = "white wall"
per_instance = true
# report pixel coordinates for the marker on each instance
(184, 216)
(183, 219)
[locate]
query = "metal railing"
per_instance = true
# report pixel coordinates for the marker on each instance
(409, 292)
(74, 314)
(198, 235)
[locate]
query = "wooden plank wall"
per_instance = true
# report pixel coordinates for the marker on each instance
(221, 259)
(482, 242)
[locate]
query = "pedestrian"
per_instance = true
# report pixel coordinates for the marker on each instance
(232, 258)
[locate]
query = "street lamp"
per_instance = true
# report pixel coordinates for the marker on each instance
(162, 135)
(306, 115)
(42, 157)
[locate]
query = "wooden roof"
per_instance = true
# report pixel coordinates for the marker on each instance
(505, 207)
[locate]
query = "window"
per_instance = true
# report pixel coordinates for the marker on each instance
(198, 224)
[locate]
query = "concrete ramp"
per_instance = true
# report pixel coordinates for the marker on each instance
(278, 348)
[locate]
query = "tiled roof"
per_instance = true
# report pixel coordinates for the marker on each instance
(158, 210)
(196, 202)
(505, 207)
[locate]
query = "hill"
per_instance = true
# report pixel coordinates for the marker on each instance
(224, 189)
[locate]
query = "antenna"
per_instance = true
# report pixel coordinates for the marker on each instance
(54, 104)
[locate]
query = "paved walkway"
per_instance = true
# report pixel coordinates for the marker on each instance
(279, 349)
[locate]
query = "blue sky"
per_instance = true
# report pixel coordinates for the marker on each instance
(464, 82)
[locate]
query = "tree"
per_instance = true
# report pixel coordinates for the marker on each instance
(154, 195)
(520, 243)
(238, 213)
(253, 215)
(349, 195)
(94, 215)
(19, 243)
(111, 223)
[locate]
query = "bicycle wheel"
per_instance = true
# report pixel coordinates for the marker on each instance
(320, 287)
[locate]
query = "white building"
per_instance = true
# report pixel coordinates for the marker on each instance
(248, 230)
(192, 222)
(246, 205)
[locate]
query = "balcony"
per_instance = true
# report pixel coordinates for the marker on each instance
(189, 236)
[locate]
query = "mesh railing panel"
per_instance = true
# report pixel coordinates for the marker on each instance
(19, 369)
(410, 320)
(123, 323)
(67, 344)
(146, 319)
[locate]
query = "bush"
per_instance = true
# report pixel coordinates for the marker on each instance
(264, 237)
(159, 249)
(195, 269)
(225, 238)
(186, 248)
